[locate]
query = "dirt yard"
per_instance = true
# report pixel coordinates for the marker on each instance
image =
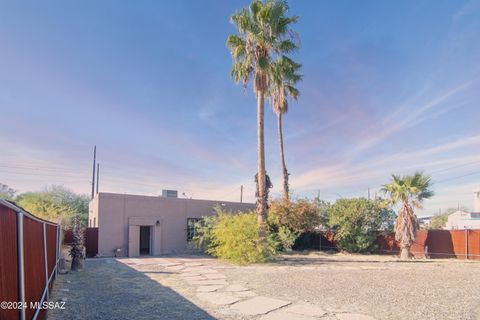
(303, 287)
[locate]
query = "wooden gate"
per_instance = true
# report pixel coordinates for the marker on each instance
(91, 242)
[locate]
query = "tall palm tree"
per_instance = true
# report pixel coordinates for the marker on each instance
(263, 34)
(285, 76)
(409, 192)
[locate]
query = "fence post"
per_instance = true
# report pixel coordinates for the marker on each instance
(46, 258)
(466, 244)
(20, 264)
(57, 247)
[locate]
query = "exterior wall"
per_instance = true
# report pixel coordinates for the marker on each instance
(462, 220)
(118, 212)
(476, 200)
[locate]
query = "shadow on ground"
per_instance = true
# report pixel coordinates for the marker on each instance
(107, 289)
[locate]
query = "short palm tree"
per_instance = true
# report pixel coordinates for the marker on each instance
(263, 34)
(409, 192)
(285, 76)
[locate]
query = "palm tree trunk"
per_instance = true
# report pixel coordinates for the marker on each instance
(405, 253)
(282, 157)
(262, 201)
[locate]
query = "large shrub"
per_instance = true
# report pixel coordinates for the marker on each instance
(298, 216)
(56, 203)
(204, 232)
(356, 222)
(233, 237)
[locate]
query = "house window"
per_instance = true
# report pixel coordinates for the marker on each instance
(191, 223)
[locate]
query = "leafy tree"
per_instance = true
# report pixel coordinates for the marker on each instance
(284, 78)
(298, 216)
(409, 192)
(438, 221)
(263, 35)
(6, 192)
(56, 203)
(323, 211)
(356, 222)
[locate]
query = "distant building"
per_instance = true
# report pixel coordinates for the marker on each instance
(466, 220)
(463, 220)
(136, 225)
(476, 200)
(424, 221)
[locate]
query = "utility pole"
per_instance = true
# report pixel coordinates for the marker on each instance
(368, 193)
(98, 175)
(241, 193)
(318, 194)
(93, 177)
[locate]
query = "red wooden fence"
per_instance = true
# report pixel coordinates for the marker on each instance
(460, 244)
(90, 240)
(29, 251)
(8, 261)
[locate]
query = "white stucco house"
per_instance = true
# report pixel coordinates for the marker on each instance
(460, 220)
(466, 220)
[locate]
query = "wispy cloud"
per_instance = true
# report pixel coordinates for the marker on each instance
(410, 114)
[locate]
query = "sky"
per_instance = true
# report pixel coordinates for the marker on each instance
(388, 88)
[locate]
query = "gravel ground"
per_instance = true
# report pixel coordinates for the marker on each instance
(378, 285)
(109, 290)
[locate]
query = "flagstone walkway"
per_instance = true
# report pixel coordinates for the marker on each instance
(303, 287)
(204, 282)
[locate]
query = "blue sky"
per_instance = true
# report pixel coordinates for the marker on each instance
(388, 88)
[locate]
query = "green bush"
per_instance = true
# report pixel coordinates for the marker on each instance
(299, 216)
(286, 237)
(355, 222)
(233, 237)
(204, 232)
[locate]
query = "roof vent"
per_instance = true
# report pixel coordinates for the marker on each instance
(170, 193)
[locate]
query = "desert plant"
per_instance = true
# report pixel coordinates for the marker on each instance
(409, 192)
(76, 251)
(235, 238)
(263, 34)
(286, 237)
(204, 232)
(299, 216)
(355, 222)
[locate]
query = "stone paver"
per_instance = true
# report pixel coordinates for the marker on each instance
(209, 288)
(217, 298)
(353, 316)
(305, 310)
(214, 276)
(281, 315)
(236, 288)
(259, 305)
(208, 282)
(245, 294)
